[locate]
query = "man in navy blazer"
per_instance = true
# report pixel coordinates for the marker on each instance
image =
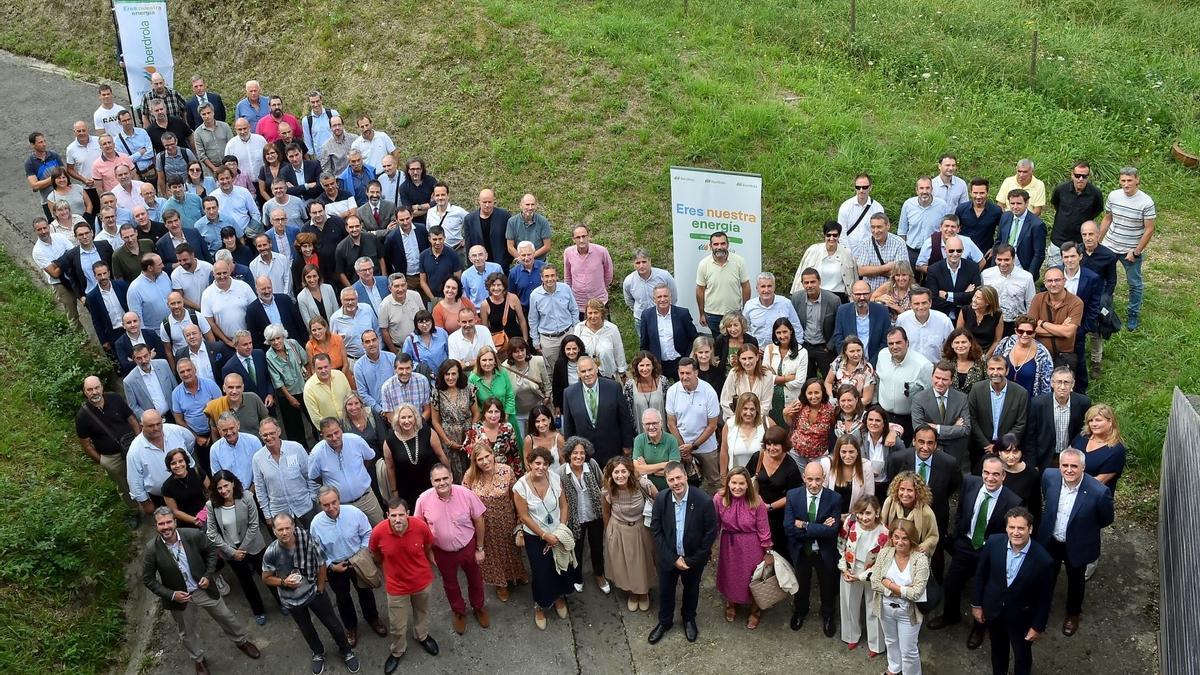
(973, 526)
(258, 318)
(952, 288)
(94, 301)
(812, 531)
(306, 189)
(493, 241)
(165, 246)
(70, 265)
(394, 255)
(1077, 508)
(124, 345)
(1088, 287)
(879, 320)
(193, 104)
(681, 556)
(1041, 437)
(1014, 585)
(610, 429)
(683, 331)
(214, 352)
(1030, 241)
(260, 383)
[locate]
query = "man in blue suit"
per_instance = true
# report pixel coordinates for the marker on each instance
(1014, 585)
(868, 320)
(201, 94)
(258, 381)
(651, 331)
(271, 307)
(684, 524)
(595, 409)
(485, 226)
(1077, 508)
(135, 334)
(811, 519)
(178, 234)
(1024, 231)
(1088, 287)
(98, 302)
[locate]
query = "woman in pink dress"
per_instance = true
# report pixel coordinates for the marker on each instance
(745, 542)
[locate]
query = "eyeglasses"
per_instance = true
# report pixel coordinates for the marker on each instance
(1081, 175)
(1024, 332)
(862, 187)
(954, 250)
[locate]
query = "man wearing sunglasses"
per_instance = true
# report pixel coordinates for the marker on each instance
(855, 213)
(1076, 201)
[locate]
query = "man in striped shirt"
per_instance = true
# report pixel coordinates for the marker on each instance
(1127, 227)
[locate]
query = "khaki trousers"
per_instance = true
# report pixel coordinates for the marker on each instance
(114, 466)
(67, 299)
(399, 607)
(370, 507)
(185, 621)
(710, 470)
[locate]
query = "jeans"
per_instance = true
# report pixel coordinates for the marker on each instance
(1133, 275)
(323, 608)
(714, 323)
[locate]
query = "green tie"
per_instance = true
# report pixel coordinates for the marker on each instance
(591, 403)
(925, 472)
(250, 371)
(1014, 232)
(981, 522)
(812, 512)
(942, 407)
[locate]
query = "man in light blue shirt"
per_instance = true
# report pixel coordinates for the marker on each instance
(315, 125)
(638, 286)
(474, 278)
(147, 294)
(145, 464)
(372, 370)
(281, 477)
(351, 321)
(254, 106)
(189, 205)
(237, 204)
(920, 217)
(189, 398)
(134, 142)
(525, 275)
(209, 225)
(342, 531)
(338, 460)
(552, 312)
(762, 312)
(234, 451)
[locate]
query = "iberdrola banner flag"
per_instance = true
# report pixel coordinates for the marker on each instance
(145, 44)
(704, 201)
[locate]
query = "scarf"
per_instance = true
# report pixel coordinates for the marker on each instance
(591, 483)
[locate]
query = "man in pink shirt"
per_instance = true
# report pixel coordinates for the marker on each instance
(104, 169)
(455, 515)
(268, 127)
(588, 268)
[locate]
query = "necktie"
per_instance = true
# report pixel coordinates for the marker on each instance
(981, 522)
(925, 472)
(1014, 232)
(375, 209)
(591, 403)
(942, 406)
(250, 370)
(812, 513)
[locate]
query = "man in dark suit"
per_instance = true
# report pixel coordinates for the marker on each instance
(945, 409)
(1077, 507)
(595, 409)
(951, 281)
(1043, 442)
(377, 213)
(304, 175)
(1088, 287)
(168, 243)
(184, 595)
(981, 512)
(102, 312)
(1024, 231)
(486, 227)
(251, 364)
(878, 321)
(681, 555)
(651, 333)
(395, 255)
(1013, 403)
(811, 519)
(70, 264)
(135, 334)
(198, 350)
(817, 309)
(940, 472)
(201, 94)
(1014, 585)
(271, 307)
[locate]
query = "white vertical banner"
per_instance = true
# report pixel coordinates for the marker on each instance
(704, 201)
(145, 44)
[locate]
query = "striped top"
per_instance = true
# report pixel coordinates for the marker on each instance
(1129, 216)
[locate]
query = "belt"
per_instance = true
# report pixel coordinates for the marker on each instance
(554, 335)
(894, 605)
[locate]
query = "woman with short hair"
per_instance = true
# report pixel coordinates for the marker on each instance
(581, 481)
(288, 364)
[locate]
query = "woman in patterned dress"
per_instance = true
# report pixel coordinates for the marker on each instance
(811, 419)
(492, 482)
(453, 411)
(497, 433)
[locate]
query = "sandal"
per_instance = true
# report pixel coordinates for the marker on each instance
(752, 622)
(730, 612)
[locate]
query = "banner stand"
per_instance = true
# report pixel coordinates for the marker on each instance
(144, 41)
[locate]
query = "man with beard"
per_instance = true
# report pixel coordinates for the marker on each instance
(101, 424)
(722, 283)
(268, 127)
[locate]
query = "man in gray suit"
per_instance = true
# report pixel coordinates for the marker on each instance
(178, 567)
(149, 385)
(817, 309)
(377, 213)
(997, 407)
(945, 409)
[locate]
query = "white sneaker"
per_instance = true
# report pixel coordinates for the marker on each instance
(606, 588)
(578, 588)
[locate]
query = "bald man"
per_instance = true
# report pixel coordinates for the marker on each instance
(811, 519)
(474, 278)
(105, 425)
(486, 226)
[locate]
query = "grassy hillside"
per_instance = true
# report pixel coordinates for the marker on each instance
(587, 103)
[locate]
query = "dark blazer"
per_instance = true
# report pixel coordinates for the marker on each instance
(71, 267)
(945, 480)
(393, 248)
(138, 396)
(1091, 291)
(1031, 242)
(1026, 603)
(217, 352)
(964, 528)
(1103, 262)
(312, 169)
(1012, 417)
(124, 349)
(167, 251)
(699, 529)
(828, 506)
(683, 331)
(262, 381)
(721, 350)
(952, 439)
(938, 279)
(387, 211)
(496, 245)
(829, 307)
(95, 306)
(613, 430)
(162, 576)
(880, 321)
(1039, 432)
(257, 320)
(289, 231)
(193, 106)
(1092, 512)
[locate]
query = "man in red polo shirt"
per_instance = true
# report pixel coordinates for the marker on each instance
(403, 546)
(455, 515)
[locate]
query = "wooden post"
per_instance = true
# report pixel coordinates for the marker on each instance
(1033, 57)
(853, 16)
(685, 7)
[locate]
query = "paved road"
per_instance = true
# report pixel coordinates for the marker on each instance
(600, 636)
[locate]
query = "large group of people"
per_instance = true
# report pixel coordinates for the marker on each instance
(336, 378)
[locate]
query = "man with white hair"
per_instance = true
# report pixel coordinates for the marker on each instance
(761, 312)
(526, 273)
(351, 320)
(474, 278)
(1023, 179)
(253, 106)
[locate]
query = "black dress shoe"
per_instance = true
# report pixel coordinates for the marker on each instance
(659, 631)
(690, 631)
(829, 627)
(940, 622)
(975, 639)
(392, 663)
(797, 621)
(429, 644)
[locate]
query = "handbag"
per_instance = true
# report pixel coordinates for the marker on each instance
(124, 441)
(366, 572)
(500, 338)
(933, 597)
(765, 586)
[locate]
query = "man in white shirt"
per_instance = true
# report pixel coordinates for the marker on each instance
(145, 465)
(269, 264)
(927, 328)
(693, 409)
(51, 246)
(854, 215)
(104, 120)
(172, 328)
(247, 147)
(449, 216)
(903, 373)
(80, 155)
(464, 344)
(223, 303)
(191, 276)
(762, 312)
(1013, 285)
(374, 145)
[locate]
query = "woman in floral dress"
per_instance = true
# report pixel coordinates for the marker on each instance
(497, 433)
(453, 412)
(492, 482)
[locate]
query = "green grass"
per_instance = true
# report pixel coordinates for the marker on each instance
(587, 103)
(63, 542)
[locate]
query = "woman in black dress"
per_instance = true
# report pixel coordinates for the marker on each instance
(1021, 477)
(184, 492)
(501, 311)
(705, 354)
(983, 318)
(774, 474)
(410, 451)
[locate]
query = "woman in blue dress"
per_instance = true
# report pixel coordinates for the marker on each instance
(1102, 445)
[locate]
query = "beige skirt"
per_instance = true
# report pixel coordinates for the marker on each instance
(629, 556)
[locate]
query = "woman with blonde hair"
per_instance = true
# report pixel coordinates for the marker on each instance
(1102, 445)
(745, 542)
(735, 334)
(901, 573)
(896, 292)
(748, 375)
(743, 435)
(409, 452)
(628, 546)
(602, 339)
(492, 482)
(909, 499)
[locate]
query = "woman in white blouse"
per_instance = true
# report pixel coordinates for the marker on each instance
(790, 363)
(749, 374)
(743, 435)
(832, 259)
(602, 340)
(898, 580)
(878, 440)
